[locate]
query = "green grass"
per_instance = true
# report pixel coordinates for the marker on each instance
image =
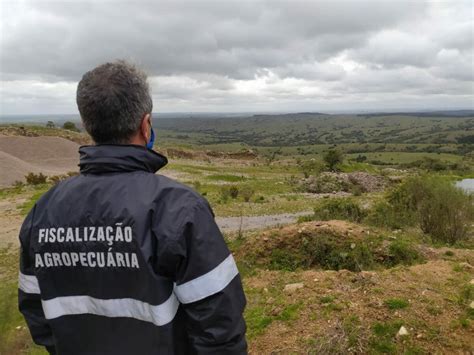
(383, 339)
(226, 177)
(327, 299)
(257, 320)
(396, 303)
(403, 252)
(396, 158)
(39, 191)
(290, 312)
(11, 191)
(14, 335)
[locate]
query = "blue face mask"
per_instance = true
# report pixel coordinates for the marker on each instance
(149, 145)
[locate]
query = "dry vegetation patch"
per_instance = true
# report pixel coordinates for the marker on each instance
(359, 313)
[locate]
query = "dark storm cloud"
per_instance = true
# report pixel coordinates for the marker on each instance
(214, 54)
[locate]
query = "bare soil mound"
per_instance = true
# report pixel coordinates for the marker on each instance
(245, 154)
(292, 237)
(49, 155)
(330, 245)
(333, 182)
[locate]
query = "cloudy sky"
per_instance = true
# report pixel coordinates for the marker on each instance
(243, 56)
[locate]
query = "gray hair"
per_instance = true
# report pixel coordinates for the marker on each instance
(112, 99)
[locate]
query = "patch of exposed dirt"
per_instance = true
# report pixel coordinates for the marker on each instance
(328, 182)
(11, 219)
(22, 155)
(177, 153)
(292, 237)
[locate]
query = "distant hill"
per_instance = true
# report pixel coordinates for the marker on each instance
(440, 127)
(450, 113)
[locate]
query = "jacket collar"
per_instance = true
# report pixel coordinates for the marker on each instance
(108, 158)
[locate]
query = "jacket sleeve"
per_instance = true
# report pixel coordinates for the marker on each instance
(208, 286)
(29, 296)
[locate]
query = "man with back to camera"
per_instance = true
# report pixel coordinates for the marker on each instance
(118, 260)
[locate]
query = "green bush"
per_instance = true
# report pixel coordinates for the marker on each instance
(310, 167)
(234, 191)
(339, 208)
(330, 252)
(35, 179)
(325, 250)
(409, 194)
(402, 252)
(383, 214)
(281, 259)
(333, 158)
(229, 191)
(434, 204)
(71, 126)
(447, 214)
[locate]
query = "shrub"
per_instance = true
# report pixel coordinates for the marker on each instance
(35, 179)
(281, 259)
(408, 195)
(333, 158)
(339, 208)
(18, 184)
(434, 204)
(330, 252)
(402, 252)
(360, 158)
(71, 126)
(57, 178)
(383, 214)
(247, 192)
(446, 214)
(229, 191)
(325, 250)
(310, 167)
(234, 191)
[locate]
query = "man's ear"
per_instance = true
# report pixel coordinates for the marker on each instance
(144, 127)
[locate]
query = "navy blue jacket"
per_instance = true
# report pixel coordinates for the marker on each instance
(119, 260)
